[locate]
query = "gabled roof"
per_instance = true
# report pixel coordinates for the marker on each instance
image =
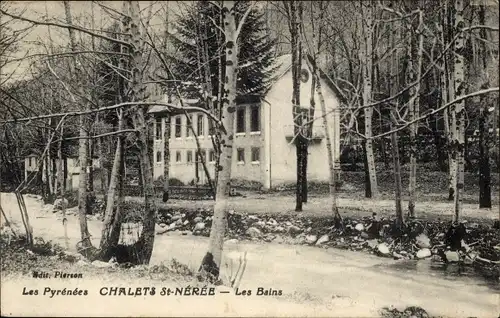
(282, 65)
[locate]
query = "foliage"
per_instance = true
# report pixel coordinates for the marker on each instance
(198, 30)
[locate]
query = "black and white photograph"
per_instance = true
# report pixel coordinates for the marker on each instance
(250, 158)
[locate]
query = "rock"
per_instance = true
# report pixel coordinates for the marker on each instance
(279, 229)
(172, 226)
(162, 225)
(199, 226)
(294, 229)
(469, 260)
(260, 225)
(396, 255)
(323, 239)
(364, 235)
(253, 232)
(359, 227)
(232, 241)
(253, 218)
(101, 264)
(279, 240)
(198, 219)
(179, 222)
(311, 239)
(59, 204)
(176, 217)
(269, 237)
(185, 222)
(423, 253)
(383, 249)
(372, 243)
(423, 241)
(272, 222)
(452, 256)
(309, 229)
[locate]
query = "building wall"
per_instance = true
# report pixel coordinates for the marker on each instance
(186, 171)
(283, 155)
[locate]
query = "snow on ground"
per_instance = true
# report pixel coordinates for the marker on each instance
(314, 281)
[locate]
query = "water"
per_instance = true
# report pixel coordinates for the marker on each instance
(452, 271)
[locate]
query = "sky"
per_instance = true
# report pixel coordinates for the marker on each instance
(54, 10)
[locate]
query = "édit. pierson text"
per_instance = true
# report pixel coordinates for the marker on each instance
(56, 274)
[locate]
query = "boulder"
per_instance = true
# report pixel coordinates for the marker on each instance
(383, 249)
(199, 226)
(59, 204)
(359, 227)
(198, 219)
(423, 241)
(323, 239)
(311, 239)
(253, 232)
(231, 241)
(424, 253)
(260, 225)
(176, 217)
(452, 256)
(294, 229)
(372, 243)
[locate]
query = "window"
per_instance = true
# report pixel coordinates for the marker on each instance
(189, 158)
(177, 156)
(158, 128)
(199, 125)
(189, 124)
(255, 154)
(211, 155)
(158, 156)
(211, 128)
(241, 155)
(240, 120)
(255, 118)
(178, 126)
(197, 154)
(30, 161)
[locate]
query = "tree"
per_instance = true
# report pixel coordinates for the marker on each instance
(367, 70)
(211, 262)
(293, 10)
(459, 107)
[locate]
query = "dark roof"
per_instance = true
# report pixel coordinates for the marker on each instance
(282, 66)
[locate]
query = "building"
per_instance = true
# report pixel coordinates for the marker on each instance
(71, 165)
(264, 151)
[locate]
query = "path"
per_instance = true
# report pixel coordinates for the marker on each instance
(340, 283)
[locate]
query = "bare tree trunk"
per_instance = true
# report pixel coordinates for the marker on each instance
(414, 111)
(397, 178)
(294, 10)
(166, 159)
(484, 138)
(367, 57)
(329, 148)
(60, 175)
(144, 246)
(111, 229)
(83, 152)
(459, 108)
(211, 262)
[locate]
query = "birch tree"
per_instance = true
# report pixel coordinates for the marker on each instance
(459, 108)
(211, 263)
(366, 58)
(414, 105)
